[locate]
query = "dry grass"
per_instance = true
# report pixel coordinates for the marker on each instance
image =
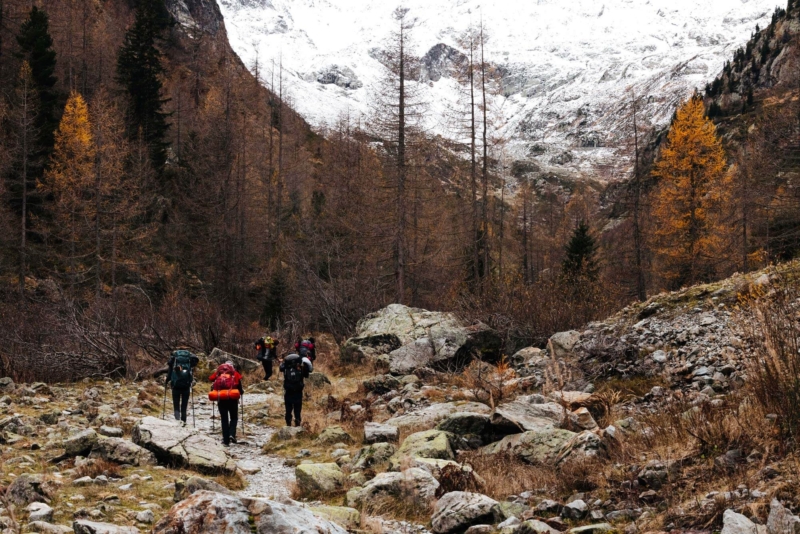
(95, 467)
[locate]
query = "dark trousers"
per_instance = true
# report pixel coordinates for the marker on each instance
(267, 364)
(180, 402)
(294, 403)
(229, 416)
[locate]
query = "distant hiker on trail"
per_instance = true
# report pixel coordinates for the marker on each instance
(180, 378)
(295, 369)
(266, 353)
(226, 390)
(306, 349)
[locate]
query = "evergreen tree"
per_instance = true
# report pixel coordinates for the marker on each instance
(36, 48)
(139, 71)
(581, 255)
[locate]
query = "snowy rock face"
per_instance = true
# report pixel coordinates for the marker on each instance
(568, 68)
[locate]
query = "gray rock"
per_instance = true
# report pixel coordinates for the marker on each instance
(379, 433)
(333, 434)
(533, 526)
(561, 344)
(349, 518)
(414, 485)
(374, 455)
(781, 520)
(654, 474)
(430, 416)
(427, 444)
(6, 384)
(83, 526)
(458, 510)
(575, 510)
(278, 518)
(83, 481)
(465, 423)
(122, 451)
(47, 528)
(80, 444)
(586, 444)
(582, 419)
(206, 512)
(26, 489)
(480, 529)
(733, 523)
(592, 529)
(527, 413)
(145, 516)
(110, 431)
(533, 447)
(39, 511)
(175, 444)
(288, 433)
(315, 479)
(184, 488)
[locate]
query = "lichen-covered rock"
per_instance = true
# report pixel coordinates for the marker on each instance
(219, 356)
(372, 456)
(533, 447)
(185, 487)
(426, 444)
(733, 523)
(206, 512)
(319, 478)
(528, 413)
(465, 423)
(26, 489)
(458, 510)
(415, 486)
(584, 445)
(122, 451)
(378, 433)
(81, 443)
(349, 518)
(333, 434)
(781, 520)
(278, 518)
(429, 416)
(561, 344)
(175, 444)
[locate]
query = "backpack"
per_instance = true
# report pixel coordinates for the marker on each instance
(306, 350)
(226, 378)
(293, 373)
(181, 369)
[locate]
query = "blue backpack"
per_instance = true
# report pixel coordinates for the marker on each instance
(182, 369)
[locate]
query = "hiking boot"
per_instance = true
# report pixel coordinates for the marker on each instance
(233, 440)
(226, 444)
(298, 423)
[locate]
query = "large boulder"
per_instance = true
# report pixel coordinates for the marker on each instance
(122, 451)
(584, 445)
(349, 518)
(185, 487)
(426, 444)
(781, 520)
(528, 413)
(458, 510)
(82, 526)
(313, 479)
(277, 518)
(411, 338)
(561, 344)
(81, 443)
(206, 512)
(465, 423)
(333, 434)
(416, 486)
(26, 489)
(533, 447)
(175, 444)
(429, 416)
(219, 356)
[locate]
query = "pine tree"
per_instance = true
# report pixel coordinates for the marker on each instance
(139, 71)
(581, 255)
(36, 48)
(688, 200)
(69, 180)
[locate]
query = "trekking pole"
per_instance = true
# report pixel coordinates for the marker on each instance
(192, 394)
(244, 430)
(212, 417)
(164, 404)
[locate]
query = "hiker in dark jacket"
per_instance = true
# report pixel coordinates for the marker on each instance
(266, 353)
(295, 369)
(180, 376)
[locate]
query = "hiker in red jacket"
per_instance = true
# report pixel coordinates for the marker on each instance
(227, 379)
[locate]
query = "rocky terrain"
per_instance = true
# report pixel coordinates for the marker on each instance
(421, 424)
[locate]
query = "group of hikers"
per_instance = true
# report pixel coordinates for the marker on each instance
(226, 382)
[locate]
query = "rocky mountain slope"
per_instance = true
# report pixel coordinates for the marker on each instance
(567, 68)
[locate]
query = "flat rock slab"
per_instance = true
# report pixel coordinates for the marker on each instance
(92, 527)
(430, 416)
(527, 413)
(174, 444)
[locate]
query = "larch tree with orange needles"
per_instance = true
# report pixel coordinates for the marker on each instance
(690, 199)
(69, 180)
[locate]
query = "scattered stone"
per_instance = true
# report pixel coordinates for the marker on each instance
(458, 510)
(349, 518)
(592, 529)
(480, 529)
(47, 528)
(206, 512)
(733, 523)
(429, 416)
(184, 488)
(81, 443)
(110, 431)
(122, 451)
(83, 481)
(145, 516)
(26, 489)
(532, 447)
(83, 526)
(374, 455)
(427, 444)
(582, 419)
(414, 484)
(528, 413)
(39, 511)
(575, 510)
(781, 520)
(333, 434)
(533, 526)
(561, 344)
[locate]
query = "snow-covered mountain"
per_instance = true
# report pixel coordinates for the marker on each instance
(569, 66)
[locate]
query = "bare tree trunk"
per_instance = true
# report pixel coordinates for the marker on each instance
(400, 230)
(485, 167)
(474, 239)
(641, 290)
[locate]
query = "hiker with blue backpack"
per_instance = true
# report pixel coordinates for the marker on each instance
(295, 369)
(180, 377)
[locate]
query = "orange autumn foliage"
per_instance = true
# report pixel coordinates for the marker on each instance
(691, 199)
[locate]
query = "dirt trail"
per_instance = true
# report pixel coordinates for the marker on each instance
(266, 475)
